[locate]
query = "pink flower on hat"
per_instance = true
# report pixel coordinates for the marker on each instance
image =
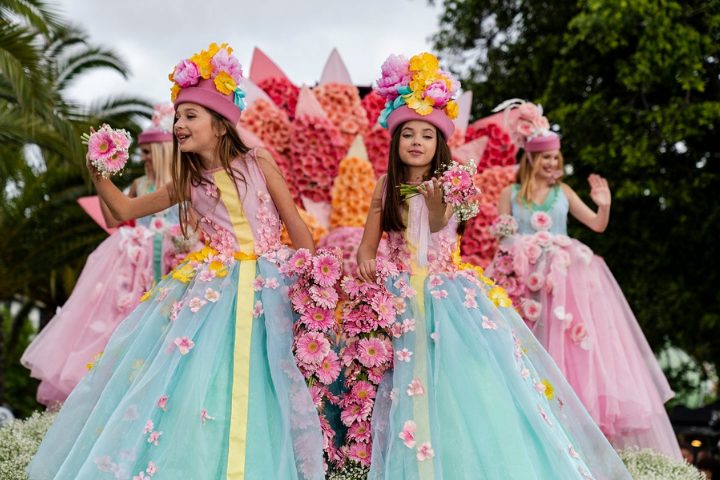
(438, 91)
(395, 72)
(186, 74)
(224, 61)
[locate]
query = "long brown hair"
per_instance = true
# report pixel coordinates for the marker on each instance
(526, 175)
(187, 171)
(397, 173)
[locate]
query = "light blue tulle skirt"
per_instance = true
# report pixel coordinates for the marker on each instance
(159, 402)
(493, 403)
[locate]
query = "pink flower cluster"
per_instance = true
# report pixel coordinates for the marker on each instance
(461, 193)
(108, 149)
(176, 246)
(499, 151)
(283, 92)
(269, 123)
(478, 245)
(315, 152)
(314, 298)
(368, 324)
(343, 107)
(528, 123)
(373, 105)
(377, 143)
(346, 240)
(395, 72)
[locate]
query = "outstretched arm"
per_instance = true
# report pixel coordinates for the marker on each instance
(504, 202)
(283, 200)
(371, 235)
(111, 221)
(600, 194)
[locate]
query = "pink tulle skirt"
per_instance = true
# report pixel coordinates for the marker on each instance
(114, 278)
(575, 308)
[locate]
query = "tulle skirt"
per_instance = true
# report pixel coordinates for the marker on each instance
(480, 397)
(165, 399)
(576, 309)
(114, 278)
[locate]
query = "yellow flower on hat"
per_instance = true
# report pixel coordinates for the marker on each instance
(424, 62)
(203, 60)
(225, 83)
(423, 106)
(451, 109)
(174, 90)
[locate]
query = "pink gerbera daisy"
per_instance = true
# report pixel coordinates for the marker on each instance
(101, 145)
(329, 368)
(312, 347)
(326, 270)
(371, 352)
(318, 318)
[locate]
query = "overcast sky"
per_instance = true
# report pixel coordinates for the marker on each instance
(152, 35)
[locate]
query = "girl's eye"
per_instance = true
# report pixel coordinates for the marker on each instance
(427, 137)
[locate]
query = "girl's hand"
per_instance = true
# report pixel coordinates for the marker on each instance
(599, 190)
(94, 173)
(366, 271)
(434, 196)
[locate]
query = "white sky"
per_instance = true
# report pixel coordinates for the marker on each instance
(153, 35)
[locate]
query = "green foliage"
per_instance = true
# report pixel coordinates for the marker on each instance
(19, 391)
(634, 87)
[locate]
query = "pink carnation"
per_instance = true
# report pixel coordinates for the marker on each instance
(395, 73)
(439, 93)
(223, 61)
(186, 74)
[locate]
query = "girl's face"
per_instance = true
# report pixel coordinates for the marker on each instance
(194, 129)
(146, 157)
(546, 165)
(418, 142)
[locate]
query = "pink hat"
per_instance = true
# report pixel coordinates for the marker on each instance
(210, 79)
(205, 94)
(543, 143)
(160, 130)
(437, 118)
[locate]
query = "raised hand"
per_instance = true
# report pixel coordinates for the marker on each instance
(433, 193)
(599, 190)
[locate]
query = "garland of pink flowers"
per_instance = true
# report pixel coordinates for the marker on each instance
(477, 245)
(315, 299)
(314, 154)
(499, 151)
(368, 325)
(344, 109)
(282, 92)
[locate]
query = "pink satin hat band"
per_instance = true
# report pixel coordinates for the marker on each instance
(205, 94)
(543, 143)
(436, 118)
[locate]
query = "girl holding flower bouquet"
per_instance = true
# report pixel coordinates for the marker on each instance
(472, 394)
(569, 298)
(59, 355)
(199, 381)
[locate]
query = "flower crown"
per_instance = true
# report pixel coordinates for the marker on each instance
(216, 63)
(418, 83)
(529, 122)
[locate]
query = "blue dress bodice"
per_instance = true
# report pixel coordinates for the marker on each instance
(555, 205)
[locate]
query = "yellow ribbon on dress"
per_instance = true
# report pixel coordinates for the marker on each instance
(243, 324)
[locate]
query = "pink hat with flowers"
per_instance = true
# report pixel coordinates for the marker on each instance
(527, 126)
(162, 124)
(417, 89)
(210, 78)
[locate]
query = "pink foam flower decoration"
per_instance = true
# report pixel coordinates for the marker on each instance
(326, 270)
(407, 434)
(425, 452)
(186, 74)
(533, 252)
(154, 438)
(395, 73)
(151, 468)
(488, 324)
(312, 347)
(223, 61)
(149, 426)
(404, 355)
(184, 345)
(580, 336)
(162, 403)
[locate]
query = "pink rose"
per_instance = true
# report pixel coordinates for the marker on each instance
(439, 93)
(579, 335)
(535, 281)
(504, 264)
(531, 309)
(186, 74)
(543, 238)
(562, 241)
(533, 252)
(541, 221)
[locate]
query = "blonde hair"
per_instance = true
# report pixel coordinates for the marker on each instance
(162, 160)
(526, 175)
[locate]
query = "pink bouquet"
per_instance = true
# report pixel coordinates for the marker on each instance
(459, 189)
(108, 149)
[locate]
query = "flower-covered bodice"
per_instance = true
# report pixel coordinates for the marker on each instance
(416, 246)
(554, 209)
(236, 215)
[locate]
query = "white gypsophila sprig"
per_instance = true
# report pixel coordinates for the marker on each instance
(19, 441)
(649, 465)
